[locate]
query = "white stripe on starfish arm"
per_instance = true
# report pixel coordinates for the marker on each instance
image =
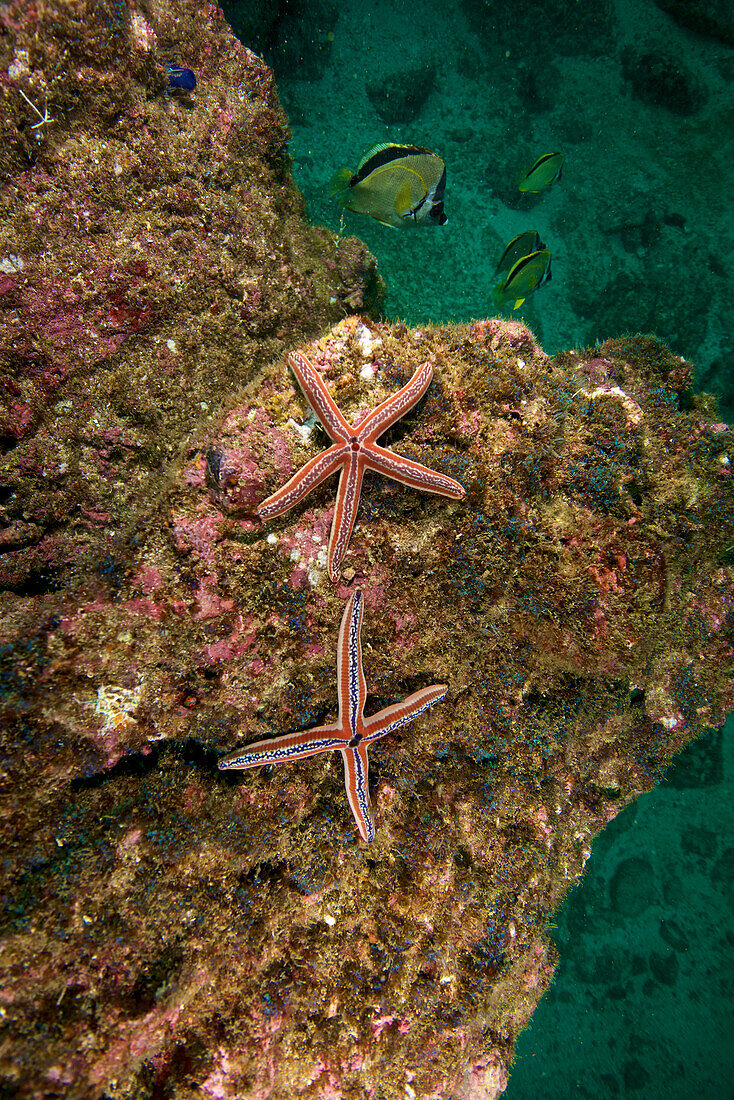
(399, 714)
(415, 474)
(356, 782)
(345, 513)
(300, 485)
(357, 686)
(392, 408)
(289, 746)
(350, 628)
(319, 398)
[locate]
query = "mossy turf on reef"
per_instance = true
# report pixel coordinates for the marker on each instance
(170, 930)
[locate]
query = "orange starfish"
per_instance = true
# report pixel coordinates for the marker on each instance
(352, 733)
(354, 450)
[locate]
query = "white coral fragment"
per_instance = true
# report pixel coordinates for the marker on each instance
(633, 410)
(366, 341)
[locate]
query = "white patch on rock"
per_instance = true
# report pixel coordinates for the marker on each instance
(304, 430)
(633, 410)
(10, 264)
(142, 32)
(366, 341)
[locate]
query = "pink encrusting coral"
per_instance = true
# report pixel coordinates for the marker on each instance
(167, 928)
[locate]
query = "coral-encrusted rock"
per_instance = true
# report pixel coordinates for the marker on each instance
(171, 930)
(169, 926)
(152, 256)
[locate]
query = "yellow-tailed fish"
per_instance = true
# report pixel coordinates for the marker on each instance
(396, 185)
(521, 245)
(524, 277)
(545, 171)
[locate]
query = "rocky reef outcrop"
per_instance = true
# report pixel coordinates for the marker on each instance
(170, 930)
(153, 255)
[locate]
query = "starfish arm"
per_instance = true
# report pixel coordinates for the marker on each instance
(351, 684)
(381, 418)
(319, 398)
(399, 714)
(345, 512)
(387, 463)
(358, 792)
(307, 478)
(288, 746)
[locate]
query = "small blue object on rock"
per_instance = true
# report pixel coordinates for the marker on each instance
(183, 79)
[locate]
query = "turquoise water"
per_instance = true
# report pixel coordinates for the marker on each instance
(642, 231)
(640, 226)
(641, 1005)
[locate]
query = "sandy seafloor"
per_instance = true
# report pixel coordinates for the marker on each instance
(642, 233)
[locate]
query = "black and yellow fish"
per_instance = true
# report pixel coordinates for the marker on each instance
(396, 185)
(525, 276)
(521, 245)
(546, 170)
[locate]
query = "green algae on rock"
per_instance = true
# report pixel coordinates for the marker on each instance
(170, 930)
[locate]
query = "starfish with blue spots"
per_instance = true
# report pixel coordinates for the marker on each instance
(352, 733)
(355, 449)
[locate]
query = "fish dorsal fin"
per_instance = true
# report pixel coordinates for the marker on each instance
(400, 151)
(374, 150)
(384, 154)
(543, 160)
